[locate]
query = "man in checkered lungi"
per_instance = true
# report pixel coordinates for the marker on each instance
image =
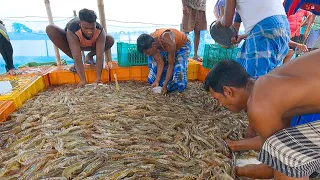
(271, 101)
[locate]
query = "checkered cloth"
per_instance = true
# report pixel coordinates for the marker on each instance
(180, 69)
(266, 46)
(294, 151)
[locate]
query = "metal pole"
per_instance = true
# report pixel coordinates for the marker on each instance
(103, 24)
(50, 18)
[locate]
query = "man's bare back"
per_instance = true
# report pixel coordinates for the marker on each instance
(290, 90)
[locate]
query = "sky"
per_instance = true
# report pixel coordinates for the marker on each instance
(167, 12)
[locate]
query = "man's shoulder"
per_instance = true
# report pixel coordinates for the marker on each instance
(262, 92)
(98, 26)
(73, 25)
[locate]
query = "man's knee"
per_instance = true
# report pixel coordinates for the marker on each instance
(109, 41)
(50, 29)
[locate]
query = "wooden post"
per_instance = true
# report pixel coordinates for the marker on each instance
(103, 24)
(50, 18)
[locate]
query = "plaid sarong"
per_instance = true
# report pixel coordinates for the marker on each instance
(266, 46)
(294, 151)
(179, 77)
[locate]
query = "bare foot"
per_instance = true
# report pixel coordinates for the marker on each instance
(197, 58)
(14, 72)
(89, 59)
(81, 84)
(73, 69)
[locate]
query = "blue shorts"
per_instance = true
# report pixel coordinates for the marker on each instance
(304, 119)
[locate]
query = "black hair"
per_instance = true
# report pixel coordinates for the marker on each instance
(144, 42)
(226, 73)
(87, 15)
(1, 22)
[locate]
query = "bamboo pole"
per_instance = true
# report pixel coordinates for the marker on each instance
(50, 18)
(103, 24)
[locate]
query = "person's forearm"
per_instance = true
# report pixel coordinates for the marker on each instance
(257, 171)
(160, 66)
(168, 75)
(249, 144)
(79, 67)
(293, 44)
(244, 36)
(229, 10)
(99, 66)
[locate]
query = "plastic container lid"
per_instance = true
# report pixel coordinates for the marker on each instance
(222, 35)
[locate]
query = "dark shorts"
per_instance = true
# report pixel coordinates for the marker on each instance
(195, 20)
(297, 39)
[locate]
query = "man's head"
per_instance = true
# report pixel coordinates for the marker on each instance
(146, 44)
(1, 22)
(227, 83)
(87, 21)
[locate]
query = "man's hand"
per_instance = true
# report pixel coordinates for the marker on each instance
(81, 84)
(237, 39)
(155, 84)
(186, 10)
(218, 23)
(164, 89)
(233, 145)
(302, 47)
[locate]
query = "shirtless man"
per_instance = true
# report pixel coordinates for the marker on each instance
(290, 90)
(80, 34)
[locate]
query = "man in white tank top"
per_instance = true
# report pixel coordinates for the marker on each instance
(267, 33)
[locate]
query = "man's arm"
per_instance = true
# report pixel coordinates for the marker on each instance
(301, 47)
(266, 121)
(169, 43)
(160, 65)
(100, 48)
(227, 19)
(245, 144)
(74, 46)
(309, 25)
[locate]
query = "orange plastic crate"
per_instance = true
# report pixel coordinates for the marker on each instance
(202, 72)
(41, 71)
(62, 75)
(6, 108)
(194, 61)
(137, 73)
(192, 70)
(91, 76)
(140, 73)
